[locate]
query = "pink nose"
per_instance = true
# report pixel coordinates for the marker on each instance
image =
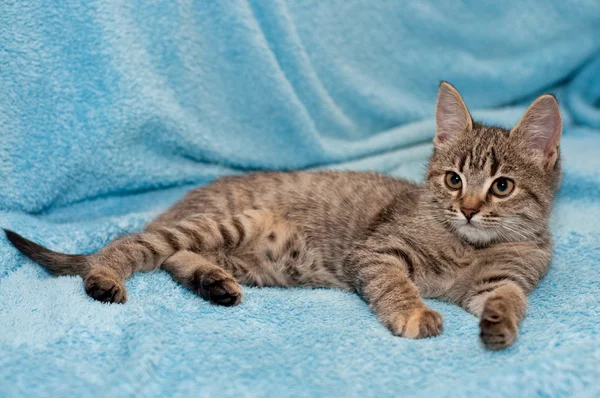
(469, 213)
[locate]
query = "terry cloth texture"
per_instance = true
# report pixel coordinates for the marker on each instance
(110, 110)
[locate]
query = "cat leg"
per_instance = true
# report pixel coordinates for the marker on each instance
(382, 278)
(203, 277)
(494, 288)
(111, 266)
(500, 309)
(147, 250)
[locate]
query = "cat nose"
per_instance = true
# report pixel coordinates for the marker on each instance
(469, 213)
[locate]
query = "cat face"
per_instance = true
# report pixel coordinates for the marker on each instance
(489, 184)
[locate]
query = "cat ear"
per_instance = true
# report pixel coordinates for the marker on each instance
(541, 127)
(451, 114)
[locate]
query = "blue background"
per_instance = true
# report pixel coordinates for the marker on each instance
(111, 110)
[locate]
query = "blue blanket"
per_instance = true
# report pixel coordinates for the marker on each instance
(110, 110)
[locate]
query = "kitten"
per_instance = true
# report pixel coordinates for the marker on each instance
(475, 234)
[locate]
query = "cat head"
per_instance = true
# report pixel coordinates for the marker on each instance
(489, 184)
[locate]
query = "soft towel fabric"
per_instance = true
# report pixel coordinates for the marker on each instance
(111, 110)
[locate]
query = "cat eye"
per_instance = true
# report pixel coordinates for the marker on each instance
(502, 187)
(453, 180)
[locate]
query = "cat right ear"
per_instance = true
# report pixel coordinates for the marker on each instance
(451, 114)
(541, 127)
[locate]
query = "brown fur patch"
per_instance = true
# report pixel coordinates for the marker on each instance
(421, 323)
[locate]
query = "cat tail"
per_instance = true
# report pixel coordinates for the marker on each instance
(55, 263)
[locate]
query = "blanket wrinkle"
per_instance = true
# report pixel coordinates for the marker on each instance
(111, 111)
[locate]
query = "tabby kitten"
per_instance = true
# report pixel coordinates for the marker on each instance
(475, 234)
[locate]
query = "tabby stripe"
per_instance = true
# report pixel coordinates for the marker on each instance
(385, 215)
(403, 301)
(129, 254)
(472, 160)
(227, 238)
(230, 265)
(435, 267)
(495, 164)
(330, 267)
(531, 280)
(447, 260)
(432, 262)
(534, 196)
(147, 257)
(237, 224)
(379, 294)
(461, 162)
(289, 244)
(526, 216)
(294, 274)
(190, 232)
(485, 290)
(252, 199)
(399, 253)
(498, 278)
(171, 239)
(197, 243)
(230, 199)
(140, 241)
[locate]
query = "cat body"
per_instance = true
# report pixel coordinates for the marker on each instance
(475, 233)
(308, 234)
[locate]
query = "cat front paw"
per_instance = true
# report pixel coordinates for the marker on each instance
(498, 327)
(418, 323)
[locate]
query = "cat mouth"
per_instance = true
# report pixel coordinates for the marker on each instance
(463, 222)
(474, 232)
(470, 227)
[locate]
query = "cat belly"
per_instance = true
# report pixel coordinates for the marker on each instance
(281, 256)
(265, 269)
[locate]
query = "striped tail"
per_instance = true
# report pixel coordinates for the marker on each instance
(55, 263)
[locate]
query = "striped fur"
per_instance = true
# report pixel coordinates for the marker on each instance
(390, 240)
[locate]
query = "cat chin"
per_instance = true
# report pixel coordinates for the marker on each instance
(474, 234)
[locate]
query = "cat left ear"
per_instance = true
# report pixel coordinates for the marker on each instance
(541, 126)
(451, 114)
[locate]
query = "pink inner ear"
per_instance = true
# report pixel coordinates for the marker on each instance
(451, 116)
(542, 124)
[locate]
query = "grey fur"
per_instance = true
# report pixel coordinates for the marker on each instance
(390, 240)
